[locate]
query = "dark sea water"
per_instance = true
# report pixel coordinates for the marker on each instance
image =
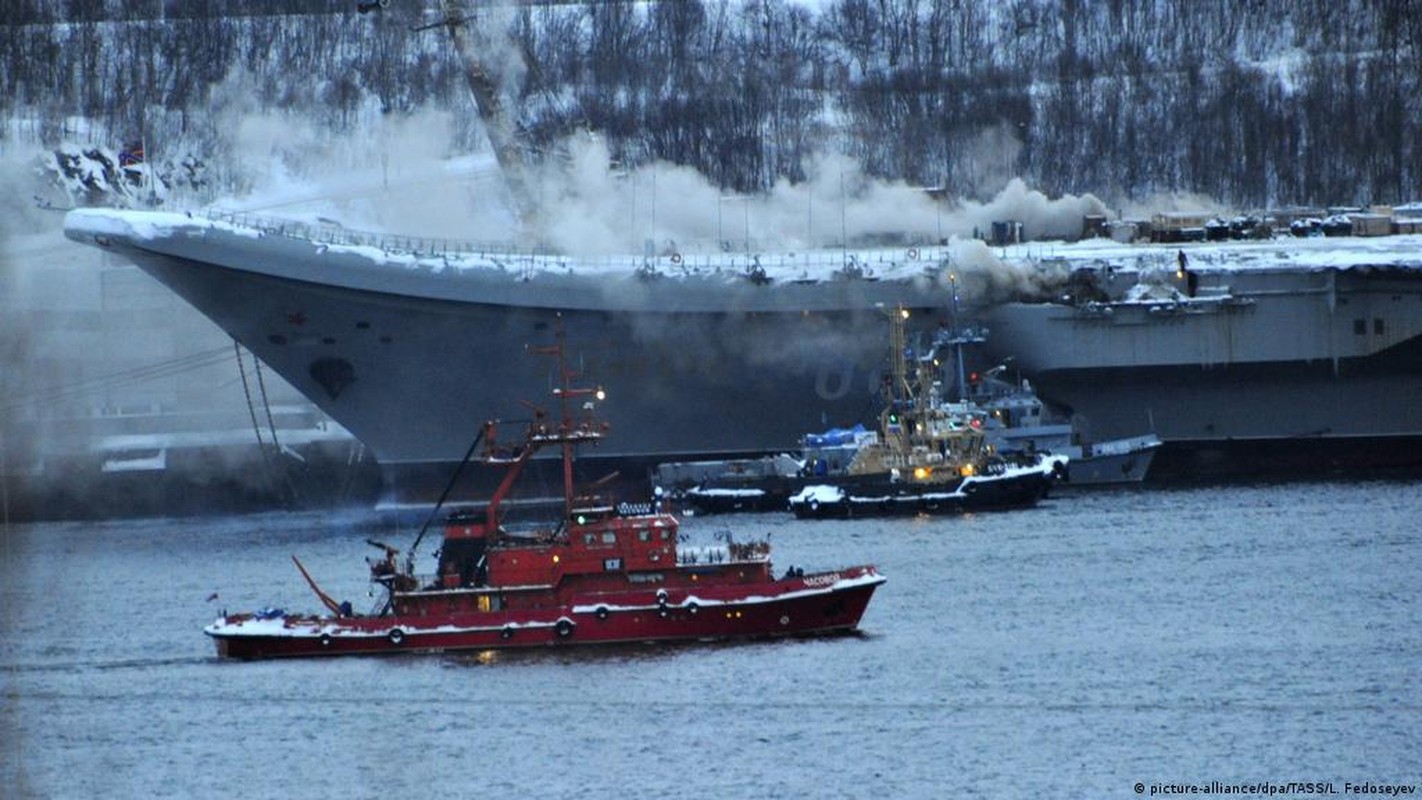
(1237, 634)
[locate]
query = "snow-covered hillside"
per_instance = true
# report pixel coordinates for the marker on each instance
(1276, 102)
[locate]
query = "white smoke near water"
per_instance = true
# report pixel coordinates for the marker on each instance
(21, 272)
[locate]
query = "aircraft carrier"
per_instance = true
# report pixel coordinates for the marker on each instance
(412, 345)
(1292, 354)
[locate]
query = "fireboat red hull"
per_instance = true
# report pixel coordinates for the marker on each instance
(802, 605)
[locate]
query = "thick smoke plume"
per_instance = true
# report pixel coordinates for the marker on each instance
(403, 175)
(593, 207)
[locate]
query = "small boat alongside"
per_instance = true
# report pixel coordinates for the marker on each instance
(1019, 422)
(602, 573)
(1004, 484)
(927, 455)
(930, 457)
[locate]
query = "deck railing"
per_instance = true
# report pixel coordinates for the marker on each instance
(813, 264)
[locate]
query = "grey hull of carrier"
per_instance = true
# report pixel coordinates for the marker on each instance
(1273, 370)
(413, 357)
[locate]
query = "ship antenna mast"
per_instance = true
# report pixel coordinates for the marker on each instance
(571, 431)
(960, 335)
(898, 352)
(958, 341)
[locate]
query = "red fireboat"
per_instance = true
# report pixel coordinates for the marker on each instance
(605, 573)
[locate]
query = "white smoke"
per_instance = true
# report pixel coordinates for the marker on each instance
(402, 175)
(407, 174)
(1168, 203)
(990, 159)
(594, 207)
(22, 172)
(982, 277)
(1042, 217)
(500, 51)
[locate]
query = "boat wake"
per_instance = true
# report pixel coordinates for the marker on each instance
(631, 652)
(40, 668)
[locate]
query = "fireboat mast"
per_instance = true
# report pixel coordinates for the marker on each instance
(570, 432)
